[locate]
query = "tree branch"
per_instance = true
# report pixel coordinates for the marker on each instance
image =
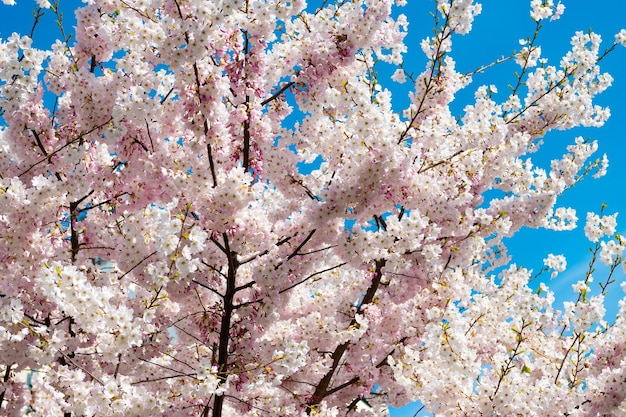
(135, 266)
(224, 338)
(77, 139)
(304, 242)
(5, 379)
(322, 389)
(75, 244)
(214, 291)
(278, 93)
(311, 276)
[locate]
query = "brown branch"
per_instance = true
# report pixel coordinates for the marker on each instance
(246, 139)
(149, 135)
(278, 93)
(484, 68)
(306, 189)
(380, 222)
(560, 83)
(37, 14)
(39, 144)
(224, 338)
(92, 68)
(66, 38)
(401, 214)
(525, 67)
(247, 303)
(435, 70)
(145, 15)
(169, 368)
(75, 245)
(246, 123)
(346, 384)
(436, 164)
(117, 367)
(213, 268)
(219, 245)
(316, 250)
(135, 266)
(71, 362)
(279, 243)
(193, 336)
(244, 286)
(304, 242)
(103, 202)
(163, 378)
(7, 376)
(211, 163)
(140, 143)
(506, 368)
(77, 139)
(97, 247)
(311, 276)
(214, 291)
(322, 389)
(164, 99)
(569, 349)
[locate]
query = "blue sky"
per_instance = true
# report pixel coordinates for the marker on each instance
(496, 33)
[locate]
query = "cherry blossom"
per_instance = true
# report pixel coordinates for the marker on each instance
(557, 263)
(226, 212)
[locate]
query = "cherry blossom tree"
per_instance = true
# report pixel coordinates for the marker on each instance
(246, 285)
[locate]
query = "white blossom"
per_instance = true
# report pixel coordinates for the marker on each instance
(557, 263)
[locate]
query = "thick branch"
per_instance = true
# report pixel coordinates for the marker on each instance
(231, 288)
(74, 211)
(323, 389)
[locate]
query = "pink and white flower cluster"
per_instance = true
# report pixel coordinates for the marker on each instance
(285, 241)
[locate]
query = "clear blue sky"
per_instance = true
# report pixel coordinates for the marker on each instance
(496, 33)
